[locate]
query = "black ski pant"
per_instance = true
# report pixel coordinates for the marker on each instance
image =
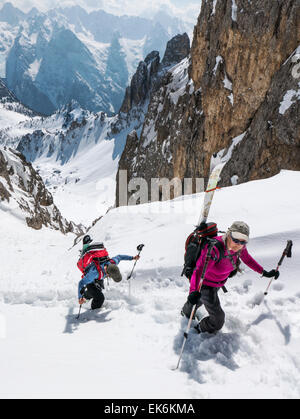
(94, 292)
(210, 299)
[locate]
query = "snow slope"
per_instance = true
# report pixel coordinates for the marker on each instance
(127, 350)
(77, 155)
(10, 118)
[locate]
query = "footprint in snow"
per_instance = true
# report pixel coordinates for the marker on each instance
(256, 300)
(278, 286)
(163, 318)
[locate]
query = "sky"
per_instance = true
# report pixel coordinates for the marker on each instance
(187, 10)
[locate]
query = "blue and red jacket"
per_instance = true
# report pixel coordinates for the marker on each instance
(92, 270)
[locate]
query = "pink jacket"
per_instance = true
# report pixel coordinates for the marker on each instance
(217, 273)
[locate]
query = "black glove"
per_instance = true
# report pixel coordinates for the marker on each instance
(188, 272)
(271, 274)
(194, 298)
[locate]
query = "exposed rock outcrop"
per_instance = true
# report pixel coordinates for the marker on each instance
(23, 193)
(177, 49)
(150, 72)
(141, 82)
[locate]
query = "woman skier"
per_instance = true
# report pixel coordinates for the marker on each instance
(95, 265)
(219, 269)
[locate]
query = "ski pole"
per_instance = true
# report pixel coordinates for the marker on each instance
(139, 248)
(286, 253)
(186, 334)
(77, 318)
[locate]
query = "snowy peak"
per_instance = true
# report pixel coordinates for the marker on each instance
(69, 53)
(23, 194)
(11, 14)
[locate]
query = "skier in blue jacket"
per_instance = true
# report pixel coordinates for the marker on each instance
(95, 265)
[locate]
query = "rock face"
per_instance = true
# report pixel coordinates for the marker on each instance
(236, 99)
(141, 82)
(149, 73)
(236, 54)
(272, 141)
(23, 193)
(177, 49)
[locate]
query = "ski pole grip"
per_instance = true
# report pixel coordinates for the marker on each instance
(140, 247)
(289, 249)
(287, 252)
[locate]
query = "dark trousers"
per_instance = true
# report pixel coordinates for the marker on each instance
(94, 292)
(209, 298)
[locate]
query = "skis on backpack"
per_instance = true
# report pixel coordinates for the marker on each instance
(203, 232)
(214, 179)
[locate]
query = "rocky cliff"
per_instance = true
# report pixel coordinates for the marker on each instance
(23, 193)
(236, 99)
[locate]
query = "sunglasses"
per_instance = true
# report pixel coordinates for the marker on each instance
(236, 241)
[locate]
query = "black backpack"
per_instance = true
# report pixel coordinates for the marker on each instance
(196, 241)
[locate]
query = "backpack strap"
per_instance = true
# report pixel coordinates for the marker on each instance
(234, 264)
(220, 247)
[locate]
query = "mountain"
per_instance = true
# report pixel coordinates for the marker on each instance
(23, 195)
(48, 66)
(75, 149)
(235, 100)
(69, 54)
(11, 14)
(8, 34)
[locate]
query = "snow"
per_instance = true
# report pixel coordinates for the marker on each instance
(136, 338)
(225, 155)
(290, 97)
(227, 83)
(99, 50)
(180, 79)
(78, 186)
(134, 54)
(79, 163)
(219, 60)
(234, 11)
(7, 36)
(231, 99)
(34, 68)
(10, 118)
(214, 7)
(234, 180)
